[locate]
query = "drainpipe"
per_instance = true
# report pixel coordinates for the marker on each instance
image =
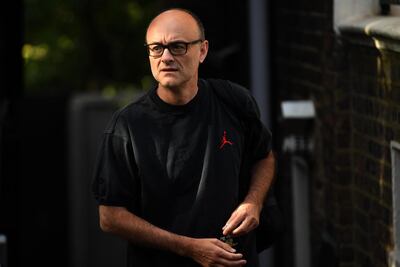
(259, 77)
(259, 57)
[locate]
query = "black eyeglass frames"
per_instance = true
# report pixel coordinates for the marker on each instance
(178, 48)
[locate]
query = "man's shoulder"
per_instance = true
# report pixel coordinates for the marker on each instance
(128, 114)
(229, 88)
(234, 95)
(136, 106)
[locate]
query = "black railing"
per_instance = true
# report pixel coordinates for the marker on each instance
(385, 5)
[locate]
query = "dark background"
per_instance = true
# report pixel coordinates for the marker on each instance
(53, 50)
(71, 47)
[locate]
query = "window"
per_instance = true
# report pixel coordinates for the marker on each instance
(390, 7)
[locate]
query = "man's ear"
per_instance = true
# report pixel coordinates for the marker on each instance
(203, 51)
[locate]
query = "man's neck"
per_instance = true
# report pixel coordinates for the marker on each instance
(177, 96)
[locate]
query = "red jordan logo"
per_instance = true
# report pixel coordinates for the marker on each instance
(225, 141)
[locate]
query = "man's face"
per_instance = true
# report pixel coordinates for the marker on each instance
(176, 71)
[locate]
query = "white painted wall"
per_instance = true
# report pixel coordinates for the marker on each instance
(348, 10)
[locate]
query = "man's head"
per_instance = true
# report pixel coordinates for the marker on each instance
(175, 39)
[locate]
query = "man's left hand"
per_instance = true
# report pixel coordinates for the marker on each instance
(244, 219)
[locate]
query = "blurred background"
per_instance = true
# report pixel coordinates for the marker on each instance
(326, 75)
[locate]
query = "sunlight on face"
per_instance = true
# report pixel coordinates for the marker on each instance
(176, 71)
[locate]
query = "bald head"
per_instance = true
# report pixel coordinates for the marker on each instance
(176, 34)
(177, 20)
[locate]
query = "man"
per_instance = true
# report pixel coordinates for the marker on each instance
(171, 172)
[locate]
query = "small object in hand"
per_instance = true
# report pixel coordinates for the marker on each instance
(228, 240)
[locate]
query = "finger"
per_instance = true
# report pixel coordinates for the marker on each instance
(230, 220)
(231, 256)
(224, 255)
(225, 246)
(233, 223)
(234, 263)
(228, 258)
(246, 226)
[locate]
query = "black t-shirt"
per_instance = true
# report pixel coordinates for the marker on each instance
(181, 167)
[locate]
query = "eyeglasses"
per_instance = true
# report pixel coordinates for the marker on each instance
(175, 48)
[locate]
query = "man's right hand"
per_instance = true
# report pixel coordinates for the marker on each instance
(211, 252)
(207, 252)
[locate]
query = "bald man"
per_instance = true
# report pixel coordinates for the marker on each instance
(182, 172)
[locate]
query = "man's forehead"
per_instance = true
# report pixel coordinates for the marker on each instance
(173, 14)
(173, 24)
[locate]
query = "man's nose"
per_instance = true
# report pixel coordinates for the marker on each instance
(167, 56)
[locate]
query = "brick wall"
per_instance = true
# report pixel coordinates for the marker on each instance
(356, 89)
(375, 118)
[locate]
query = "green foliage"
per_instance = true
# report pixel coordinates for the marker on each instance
(86, 44)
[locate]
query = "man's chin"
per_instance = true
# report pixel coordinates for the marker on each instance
(170, 84)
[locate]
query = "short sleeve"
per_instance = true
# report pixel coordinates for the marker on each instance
(114, 180)
(258, 137)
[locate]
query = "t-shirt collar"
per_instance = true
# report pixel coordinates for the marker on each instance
(165, 107)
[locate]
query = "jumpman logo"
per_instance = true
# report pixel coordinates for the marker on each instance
(225, 141)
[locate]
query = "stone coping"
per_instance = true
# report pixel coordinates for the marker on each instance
(383, 31)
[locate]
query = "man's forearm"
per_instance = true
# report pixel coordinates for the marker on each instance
(205, 251)
(262, 177)
(246, 216)
(119, 221)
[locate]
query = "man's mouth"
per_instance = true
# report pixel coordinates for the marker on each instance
(169, 70)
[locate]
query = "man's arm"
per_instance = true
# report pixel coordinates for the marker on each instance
(247, 215)
(206, 251)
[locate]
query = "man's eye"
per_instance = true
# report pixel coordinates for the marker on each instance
(177, 46)
(156, 48)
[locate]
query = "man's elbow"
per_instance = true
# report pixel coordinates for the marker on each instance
(105, 226)
(105, 219)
